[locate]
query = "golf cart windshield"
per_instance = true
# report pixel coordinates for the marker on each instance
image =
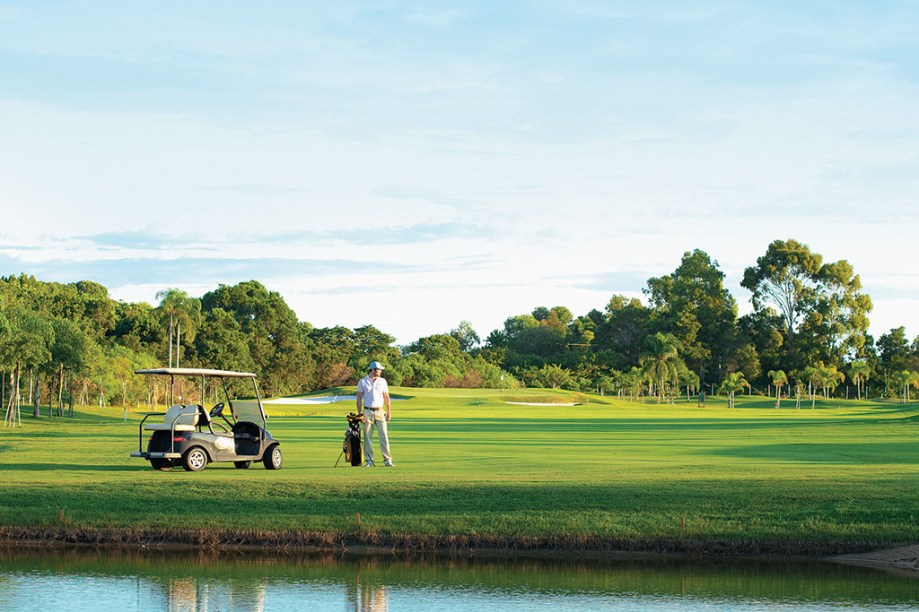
(248, 410)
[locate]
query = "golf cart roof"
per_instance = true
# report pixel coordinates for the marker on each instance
(195, 372)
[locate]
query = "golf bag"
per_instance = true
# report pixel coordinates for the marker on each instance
(351, 447)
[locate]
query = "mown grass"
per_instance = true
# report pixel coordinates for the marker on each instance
(604, 473)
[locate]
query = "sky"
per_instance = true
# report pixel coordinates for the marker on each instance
(412, 165)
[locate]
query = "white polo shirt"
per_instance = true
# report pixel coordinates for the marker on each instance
(372, 391)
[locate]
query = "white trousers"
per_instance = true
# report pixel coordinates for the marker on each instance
(375, 419)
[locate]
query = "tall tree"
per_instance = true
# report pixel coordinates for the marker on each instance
(531, 339)
(466, 336)
(837, 328)
(823, 312)
(693, 305)
(370, 344)
(618, 337)
(222, 344)
(274, 335)
(546, 339)
(30, 341)
(785, 277)
(761, 329)
(138, 327)
(332, 349)
(7, 358)
(68, 351)
(894, 351)
(98, 309)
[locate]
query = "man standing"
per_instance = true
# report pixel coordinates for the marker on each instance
(373, 399)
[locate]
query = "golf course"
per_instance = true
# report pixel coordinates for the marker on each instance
(477, 469)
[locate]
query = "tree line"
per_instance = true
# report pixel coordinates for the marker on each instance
(807, 333)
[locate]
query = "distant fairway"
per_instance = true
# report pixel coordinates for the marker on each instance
(472, 467)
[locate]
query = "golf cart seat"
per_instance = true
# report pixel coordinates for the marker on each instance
(224, 439)
(204, 417)
(177, 418)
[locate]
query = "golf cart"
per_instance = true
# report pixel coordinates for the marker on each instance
(191, 436)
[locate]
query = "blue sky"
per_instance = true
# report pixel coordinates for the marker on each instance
(414, 164)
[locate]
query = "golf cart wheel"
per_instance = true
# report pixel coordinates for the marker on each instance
(242, 465)
(273, 459)
(163, 465)
(195, 459)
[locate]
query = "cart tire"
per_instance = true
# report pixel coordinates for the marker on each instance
(242, 465)
(273, 458)
(195, 459)
(163, 465)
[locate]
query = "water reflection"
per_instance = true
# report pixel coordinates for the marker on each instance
(367, 597)
(187, 594)
(62, 579)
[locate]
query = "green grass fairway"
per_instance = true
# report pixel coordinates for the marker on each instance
(604, 473)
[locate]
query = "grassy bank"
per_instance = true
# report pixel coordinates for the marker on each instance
(475, 470)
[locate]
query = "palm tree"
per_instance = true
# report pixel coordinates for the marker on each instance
(180, 309)
(732, 383)
(912, 381)
(799, 389)
(909, 379)
(811, 374)
(631, 380)
(690, 380)
(779, 379)
(660, 361)
(859, 371)
(829, 378)
(901, 379)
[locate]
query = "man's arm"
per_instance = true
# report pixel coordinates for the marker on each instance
(387, 404)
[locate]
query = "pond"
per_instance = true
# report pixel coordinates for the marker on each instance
(64, 579)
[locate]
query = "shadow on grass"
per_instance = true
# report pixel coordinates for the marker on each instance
(587, 425)
(870, 453)
(118, 435)
(68, 467)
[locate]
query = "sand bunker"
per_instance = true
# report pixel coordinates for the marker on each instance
(324, 399)
(539, 404)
